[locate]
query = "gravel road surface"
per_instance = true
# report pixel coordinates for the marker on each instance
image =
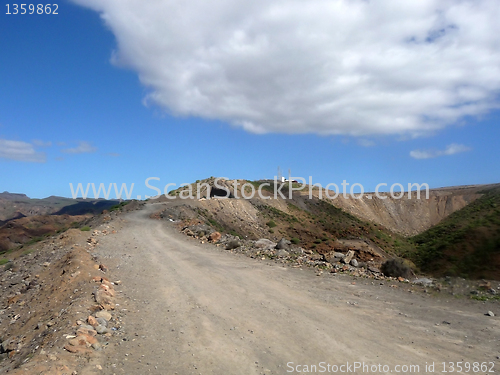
(192, 308)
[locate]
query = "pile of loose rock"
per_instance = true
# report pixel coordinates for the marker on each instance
(99, 323)
(286, 252)
(334, 262)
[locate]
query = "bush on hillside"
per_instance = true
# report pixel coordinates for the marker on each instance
(396, 268)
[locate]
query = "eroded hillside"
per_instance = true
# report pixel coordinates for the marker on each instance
(407, 216)
(410, 215)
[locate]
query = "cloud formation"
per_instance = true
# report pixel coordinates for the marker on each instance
(82, 148)
(363, 142)
(20, 151)
(323, 66)
(40, 143)
(429, 154)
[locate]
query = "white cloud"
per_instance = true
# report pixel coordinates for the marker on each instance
(40, 143)
(323, 66)
(20, 151)
(82, 148)
(428, 154)
(456, 149)
(366, 142)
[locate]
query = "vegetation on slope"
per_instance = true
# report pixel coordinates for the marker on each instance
(466, 243)
(316, 223)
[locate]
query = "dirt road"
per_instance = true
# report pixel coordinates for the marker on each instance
(198, 309)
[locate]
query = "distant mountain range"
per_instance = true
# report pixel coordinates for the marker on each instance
(15, 206)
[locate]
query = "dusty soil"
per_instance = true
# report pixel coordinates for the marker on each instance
(189, 308)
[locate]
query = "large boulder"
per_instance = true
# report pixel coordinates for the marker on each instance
(348, 257)
(334, 257)
(283, 254)
(233, 244)
(188, 232)
(201, 230)
(264, 243)
(214, 237)
(423, 281)
(8, 346)
(316, 257)
(283, 244)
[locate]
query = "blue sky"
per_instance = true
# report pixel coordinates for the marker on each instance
(85, 98)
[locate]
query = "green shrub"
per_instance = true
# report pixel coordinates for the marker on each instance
(3, 261)
(118, 206)
(295, 240)
(271, 224)
(85, 228)
(485, 298)
(396, 268)
(317, 241)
